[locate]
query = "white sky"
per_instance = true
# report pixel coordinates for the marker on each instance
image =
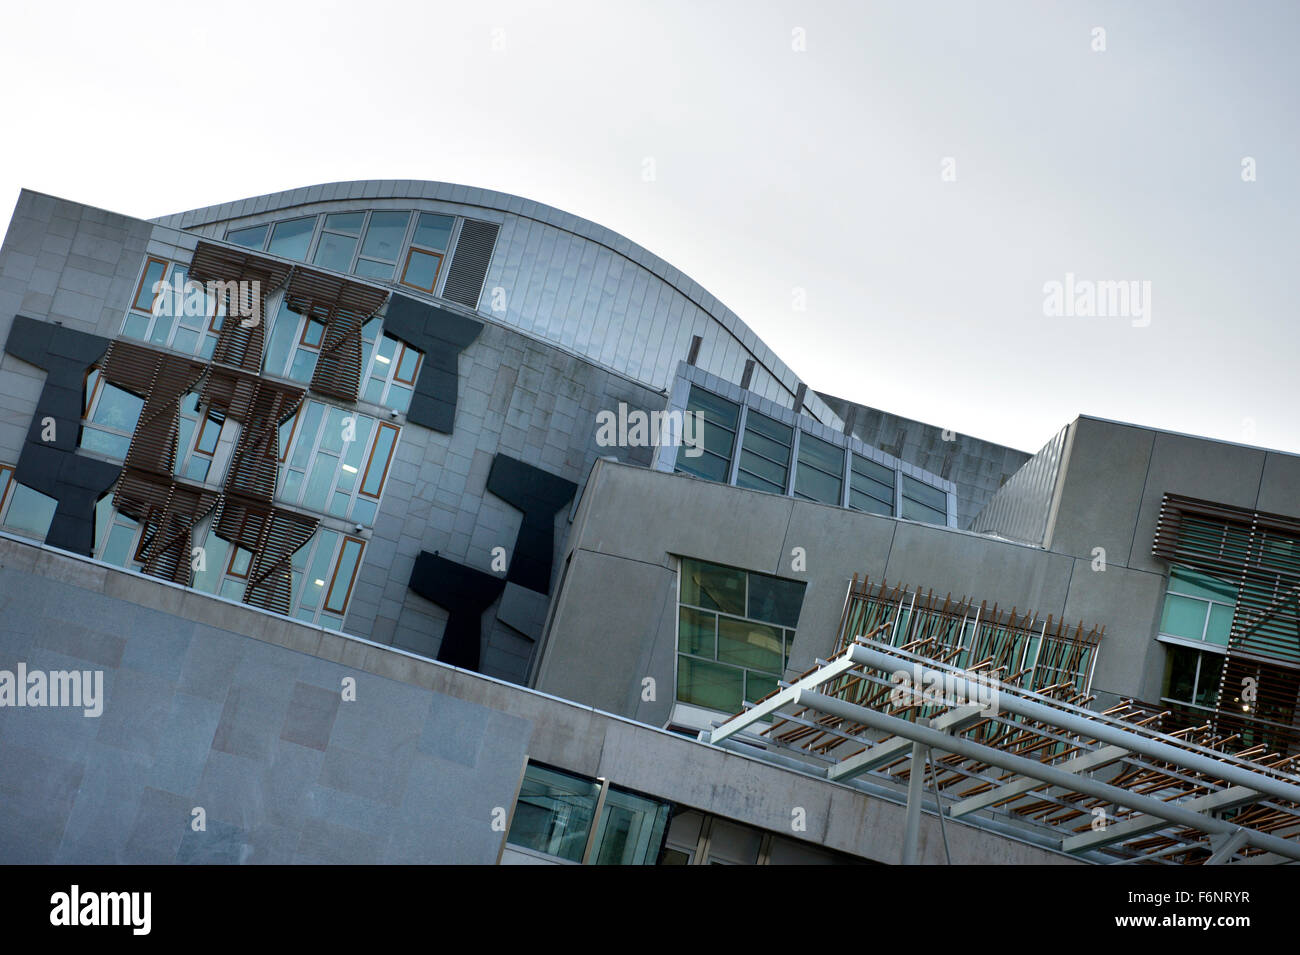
(775, 169)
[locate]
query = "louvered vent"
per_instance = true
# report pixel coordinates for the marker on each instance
(469, 265)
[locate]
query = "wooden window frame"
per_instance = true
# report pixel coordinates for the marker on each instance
(419, 357)
(4, 496)
(140, 285)
(325, 600)
(370, 460)
(230, 564)
(406, 267)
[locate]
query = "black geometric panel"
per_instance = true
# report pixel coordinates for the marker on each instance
(442, 336)
(464, 593)
(540, 495)
(53, 467)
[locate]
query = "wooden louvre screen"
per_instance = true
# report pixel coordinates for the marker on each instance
(231, 274)
(169, 510)
(272, 535)
(1258, 554)
(342, 307)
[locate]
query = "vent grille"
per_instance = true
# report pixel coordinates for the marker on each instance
(469, 264)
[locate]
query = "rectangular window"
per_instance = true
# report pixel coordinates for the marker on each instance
(388, 368)
(554, 813)
(336, 461)
(385, 233)
(720, 418)
(734, 633)
(433, 231)
(1192, 676)
(182, 317)
(293, 346)
(154, 270)
(820, 476)
(345, 572)
(921, 502)
(421, 270)
(27, 512)
(871, 487)
(110, 417)
(764, 454)
(291, 238)
(253, 237)
(6, 480)
(1197, 607)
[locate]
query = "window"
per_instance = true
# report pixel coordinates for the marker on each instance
(253, 237)
(110, 418)
(154, 270)
(338, 241)
(182, 317)
(1197, 607)
(290, 238)
(735, 629)
(6, 481)
(871, 487)
(117, 537)
(385, 233)
(555, 812)
(821, 470)
(335, 461)
(428, 245)
(389, 370)
(1192, 676)
(23, 510)
(324, 572)
(764, 454)
(197, 441)
(922, 502)
(719, 436)
(293, 346)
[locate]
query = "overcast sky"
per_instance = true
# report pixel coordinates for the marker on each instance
(794, 146)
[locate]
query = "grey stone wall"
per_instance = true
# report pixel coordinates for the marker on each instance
(216, 705)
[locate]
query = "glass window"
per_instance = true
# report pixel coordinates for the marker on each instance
(421, 270)
(28, 512)
(111, 417)
(291, 237)
(631, 829)
(331, 456)
(764, 454)
(922, 502)
(734, 634)
(433, 231)
(1192, 676)
(720, 418)
(554, 813)
(344, 574)
(349, 223)
(253, 237)
(713, 587)
(154, 270)
(384, 237)
(871, 486)
(820, 476)
(374, 270)
(334, 251)
(1198, 607)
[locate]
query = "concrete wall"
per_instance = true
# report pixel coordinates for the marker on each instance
(632, 523)
(216, 705)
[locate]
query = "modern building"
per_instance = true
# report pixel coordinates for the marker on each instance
(411, 522)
